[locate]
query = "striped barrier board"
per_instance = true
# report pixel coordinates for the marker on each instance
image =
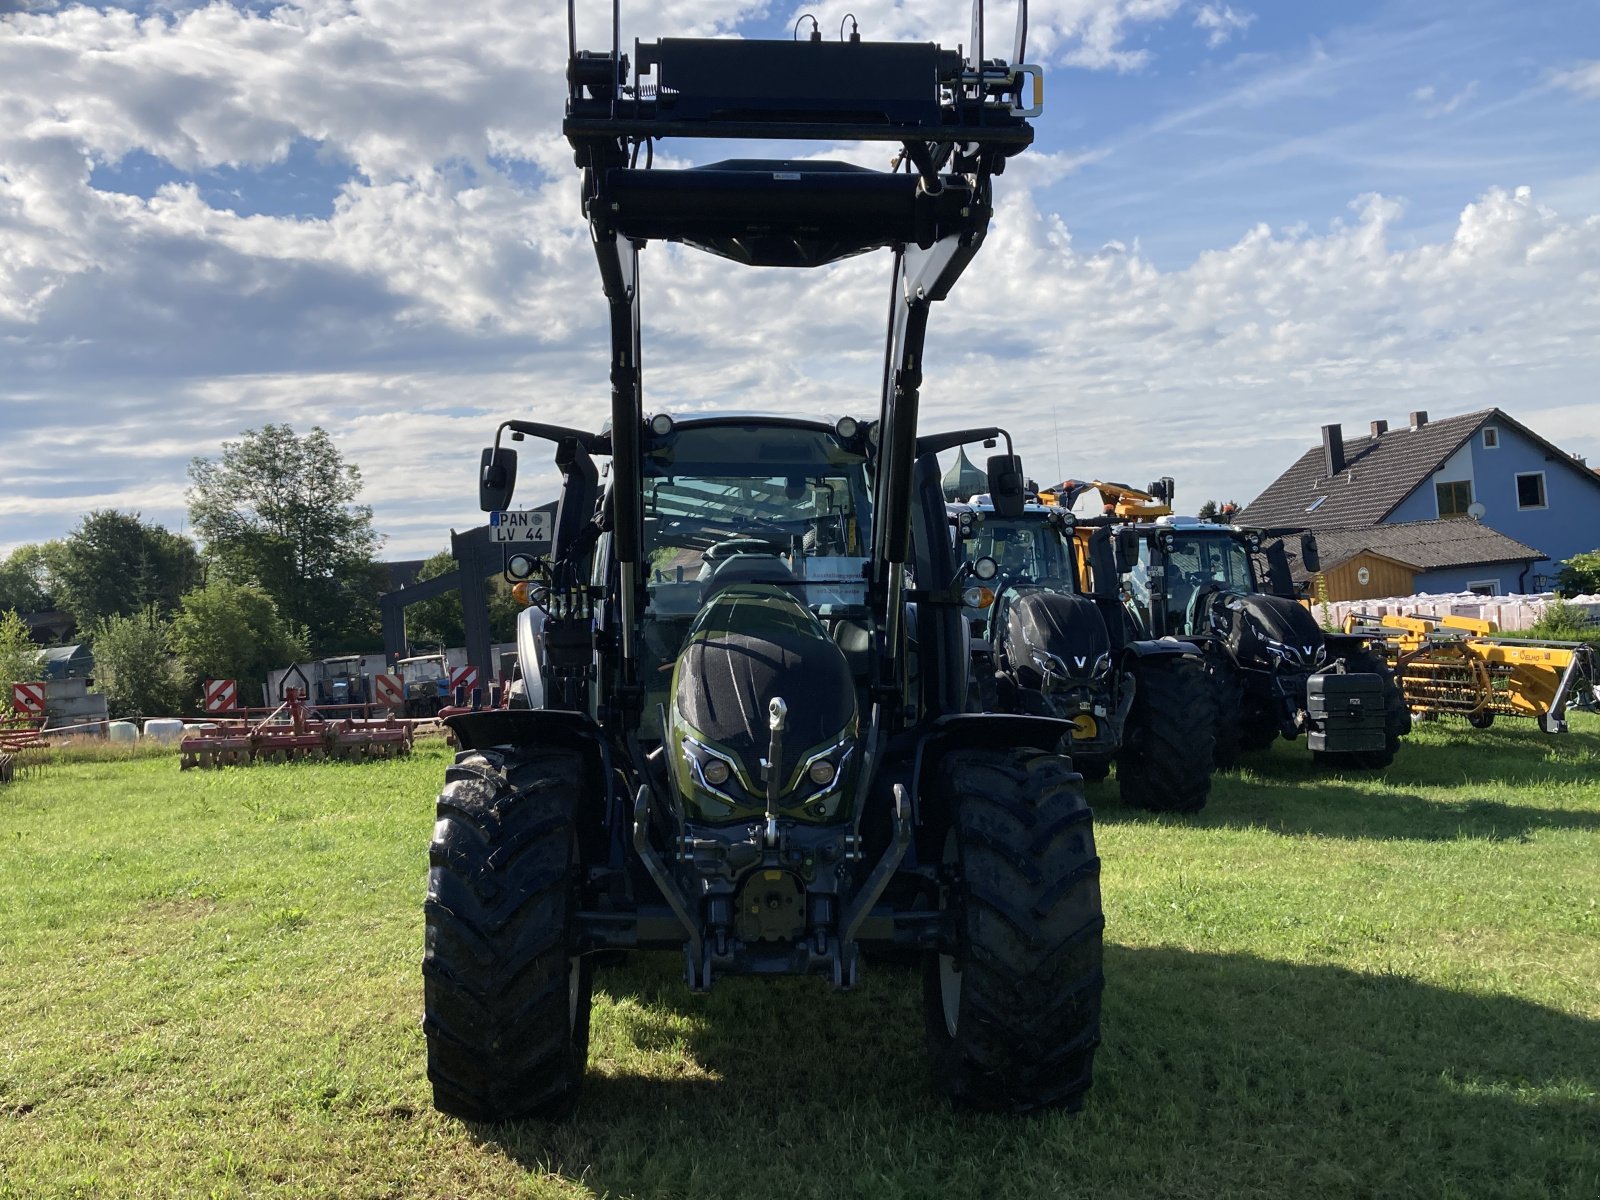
(221, 695)
(464, 677)
(389, 692)
(28, 699)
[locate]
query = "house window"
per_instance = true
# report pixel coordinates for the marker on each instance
(1491, 438)
(1484, 587)
(1315, 504)
(1530, 490)
(1454, 498)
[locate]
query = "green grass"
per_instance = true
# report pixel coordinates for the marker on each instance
(1321, 986)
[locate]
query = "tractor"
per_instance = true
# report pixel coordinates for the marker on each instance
(1276, 672)
(752, 746)
(1045, 643)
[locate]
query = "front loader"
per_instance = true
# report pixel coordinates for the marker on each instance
(753, 749)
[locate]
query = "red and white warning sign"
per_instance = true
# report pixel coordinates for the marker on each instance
(28, 699)
(222, 695)
(464, 677)
(388, 692)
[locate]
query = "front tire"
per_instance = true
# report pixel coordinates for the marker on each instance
(1169, 744)
(505, 991)
(1013, 1005)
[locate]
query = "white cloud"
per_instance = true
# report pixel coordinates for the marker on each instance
(449, 283)
(1583, 80)
(1221, 22)
(1427, 96)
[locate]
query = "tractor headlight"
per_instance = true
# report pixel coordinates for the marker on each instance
(715, 772)
(847, 427)
(661, 424)
(822, 772)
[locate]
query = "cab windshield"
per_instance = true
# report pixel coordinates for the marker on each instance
(1028, 547)
(763, 504)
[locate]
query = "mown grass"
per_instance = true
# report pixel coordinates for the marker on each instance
(1321, 986)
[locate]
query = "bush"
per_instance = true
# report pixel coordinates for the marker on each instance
(1563, 622)
(134, 667)
(1580, 575)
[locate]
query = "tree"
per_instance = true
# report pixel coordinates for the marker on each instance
(280, 511)
(114, 564)
(1208, 511)
(133, 665)
(1580, 575)
(437, 621)
(19, 658)
(25, 580)
(440, 621)
(228, 630)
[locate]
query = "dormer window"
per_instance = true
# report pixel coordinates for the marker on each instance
(1491, 438)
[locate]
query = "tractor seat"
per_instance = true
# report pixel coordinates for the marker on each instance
(749, 568)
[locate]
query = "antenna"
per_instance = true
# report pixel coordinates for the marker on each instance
(1055, 424)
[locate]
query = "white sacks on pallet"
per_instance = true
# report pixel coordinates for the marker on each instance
(1509, 613)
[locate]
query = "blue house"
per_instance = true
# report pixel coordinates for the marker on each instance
(1483, 467)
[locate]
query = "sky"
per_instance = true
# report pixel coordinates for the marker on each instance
(1239, 221)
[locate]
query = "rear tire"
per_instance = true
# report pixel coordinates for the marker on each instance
(1013, 1010)
(1170, 740)
(505, 992)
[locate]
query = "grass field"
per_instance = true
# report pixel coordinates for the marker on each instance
(1321, 986)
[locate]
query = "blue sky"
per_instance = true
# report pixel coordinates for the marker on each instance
(1239, 221)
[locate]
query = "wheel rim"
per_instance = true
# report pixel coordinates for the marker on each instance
(949, 968)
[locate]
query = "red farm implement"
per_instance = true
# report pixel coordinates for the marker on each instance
(21, 746)
(297, 731)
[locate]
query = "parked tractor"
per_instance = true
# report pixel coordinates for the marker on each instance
(340, 681)
(1044, 643)
(426, 680)
(1277, 673)
(754, 749)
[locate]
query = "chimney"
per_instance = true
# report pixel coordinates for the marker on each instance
(1419, 418)
(1379, 428)
(1332, 450)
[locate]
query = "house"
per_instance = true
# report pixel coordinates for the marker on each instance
(1483, 467)
(1366, 562)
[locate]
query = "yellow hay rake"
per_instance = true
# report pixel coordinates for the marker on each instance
(1458, 666)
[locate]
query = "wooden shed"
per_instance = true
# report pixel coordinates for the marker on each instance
(1368, 576)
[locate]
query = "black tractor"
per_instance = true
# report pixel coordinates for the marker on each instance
(1277, 672)
(754, 749)
(1046, 644)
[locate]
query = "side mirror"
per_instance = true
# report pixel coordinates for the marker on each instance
(1309, 557)
(497, 478)
(1125, 549)
(1007, 488)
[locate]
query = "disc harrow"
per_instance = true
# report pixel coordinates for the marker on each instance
(298, 732)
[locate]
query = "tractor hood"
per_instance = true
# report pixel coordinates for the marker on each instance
(749, 645)
(1272, 631)
(1051, 640)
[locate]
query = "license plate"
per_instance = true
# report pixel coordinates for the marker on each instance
(520, 526)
